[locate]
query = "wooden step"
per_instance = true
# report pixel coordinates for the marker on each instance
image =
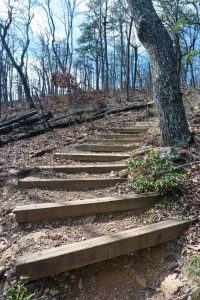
(138, 129)
(117, 141)
(68, 184)
(91, 157)
(72, 256)
(46, 211)
(75, 169)
(107, 148)
(133, 137)
(144, 123)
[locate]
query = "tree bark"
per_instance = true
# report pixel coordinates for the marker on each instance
(155, 38)
(128, 60)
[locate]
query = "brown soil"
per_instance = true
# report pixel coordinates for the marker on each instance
(135, 276)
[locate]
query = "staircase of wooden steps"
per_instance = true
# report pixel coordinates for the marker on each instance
(79, 254)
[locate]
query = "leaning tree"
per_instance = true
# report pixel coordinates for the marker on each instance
(156, 39)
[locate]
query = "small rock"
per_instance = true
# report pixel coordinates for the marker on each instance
(28, 226)
(80, 284)
(143, 150)
(158, 297)
(2, 270)
(123, 174)
(89, 219)
(12, 215)
(141, 281)
(112, 174)
(46, 291)
(2, 246)
(171, 285)
(53, 292)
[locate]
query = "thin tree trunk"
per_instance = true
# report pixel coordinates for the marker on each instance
(106, 48)
(128, 60)
(135, 67)
(192, 75)
(122, 57)
(102, 50)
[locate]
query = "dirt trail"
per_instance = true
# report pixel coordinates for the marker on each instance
(135, 276)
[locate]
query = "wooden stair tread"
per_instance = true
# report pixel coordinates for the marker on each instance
(103, 157)
(117, 141)
(87, 168)
(133, 130)
(60, 259)
(107, 148)
(121, 136)
(35, 212)
(68, 184)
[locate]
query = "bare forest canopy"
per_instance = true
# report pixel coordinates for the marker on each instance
(65, 47)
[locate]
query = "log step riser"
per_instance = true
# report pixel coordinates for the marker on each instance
(46, 211)
(119, 136)
(106, 148)
(69, 184)
(117, 141)
(64, 258)
(83, 169)
(130, 130)
(91, 157)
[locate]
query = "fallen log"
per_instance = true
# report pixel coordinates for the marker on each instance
(26, 122)
(70, 122)
(16, 120)
(99, 115)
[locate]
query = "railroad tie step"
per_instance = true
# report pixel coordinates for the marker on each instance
(117, 141)
(75, 169)
(144, 123)
(134, 137)
(68, 184)
(91, 157)
(106, 148)
(136, 129)
(46, 211)
(72, 256)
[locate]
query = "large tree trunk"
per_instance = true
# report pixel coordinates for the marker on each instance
(156, 40)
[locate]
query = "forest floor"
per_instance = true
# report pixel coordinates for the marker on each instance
(157, 273)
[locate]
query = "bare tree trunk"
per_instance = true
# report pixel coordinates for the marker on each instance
(106, 52)
(19, 66)
(102, 49)
(155, 38)
(192, 75)
(128, 60)
(122, 57)
(135, 67)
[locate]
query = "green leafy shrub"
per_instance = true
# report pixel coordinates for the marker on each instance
(19, 290)
(194, 272)
(155, 173)
(194, 266)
